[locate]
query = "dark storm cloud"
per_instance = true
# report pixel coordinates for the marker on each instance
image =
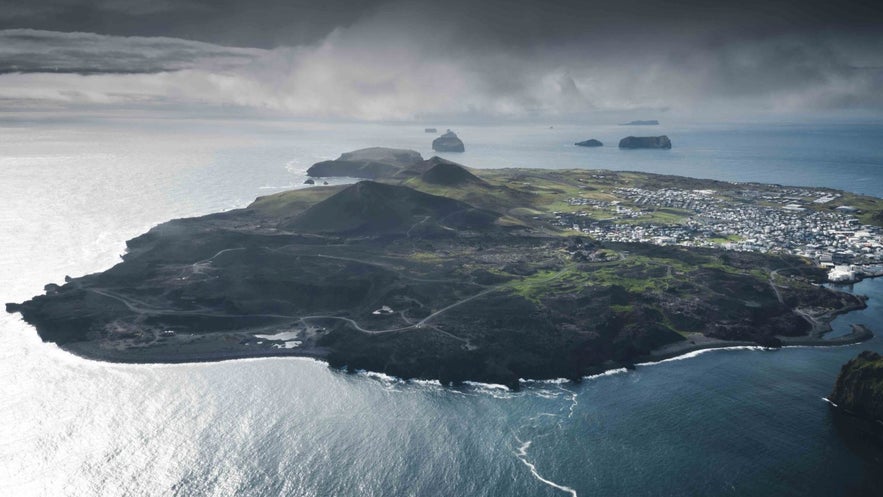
(254, 23)
(267, 23)
(496, 59)
(27, 51)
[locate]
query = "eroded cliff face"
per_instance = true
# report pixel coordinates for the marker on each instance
(859, 387)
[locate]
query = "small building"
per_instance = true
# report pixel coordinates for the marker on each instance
(383, 311)
(842, 274)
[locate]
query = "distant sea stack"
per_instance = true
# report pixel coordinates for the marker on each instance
(430, 130)
(859, 387)
(589, 143)
(448, 142)
(645, 142)
(650, 122)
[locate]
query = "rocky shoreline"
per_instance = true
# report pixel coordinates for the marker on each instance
(94, 352)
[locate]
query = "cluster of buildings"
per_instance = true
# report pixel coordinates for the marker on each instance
(778, 220)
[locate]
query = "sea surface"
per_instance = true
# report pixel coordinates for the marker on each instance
(745, 422)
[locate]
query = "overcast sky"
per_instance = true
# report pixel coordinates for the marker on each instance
(416, 60)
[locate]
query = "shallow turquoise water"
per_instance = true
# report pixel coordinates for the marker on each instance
(740, 422)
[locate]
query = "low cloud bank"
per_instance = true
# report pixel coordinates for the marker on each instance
(389, 66)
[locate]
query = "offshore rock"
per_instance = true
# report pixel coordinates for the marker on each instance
(448, 142)
(632, 142)
(859, 387)
(589, 143)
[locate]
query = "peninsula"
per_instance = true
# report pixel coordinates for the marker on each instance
(429, 269)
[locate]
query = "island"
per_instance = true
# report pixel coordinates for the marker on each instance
(589, 143)
(632, 142)
(649, 122)
(448, 142)
(433, 270)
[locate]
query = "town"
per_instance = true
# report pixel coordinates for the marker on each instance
(799, 221)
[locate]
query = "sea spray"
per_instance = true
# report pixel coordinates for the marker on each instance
(521, 454)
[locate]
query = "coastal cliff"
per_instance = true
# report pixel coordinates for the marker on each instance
(859, 387)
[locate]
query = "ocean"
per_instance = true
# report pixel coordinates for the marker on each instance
(726, 422)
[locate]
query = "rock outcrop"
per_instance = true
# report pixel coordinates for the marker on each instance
(367, 163)
(859, 387)
(645, 142)
(589, 143)
(448, 142)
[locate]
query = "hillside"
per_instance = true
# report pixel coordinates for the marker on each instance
(372, 208)
(446, 173)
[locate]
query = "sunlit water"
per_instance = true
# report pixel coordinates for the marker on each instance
(740, 422)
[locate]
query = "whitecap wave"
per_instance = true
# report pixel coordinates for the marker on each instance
(385, 378)
(521, 454)
(609, 372)
(696, 353)
(493, 389)
(486, 386)
(426, 383)
(545, 393)
(553, 381)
